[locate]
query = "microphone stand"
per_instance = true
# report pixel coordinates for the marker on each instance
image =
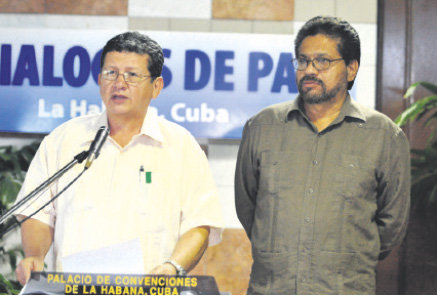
(79, 158)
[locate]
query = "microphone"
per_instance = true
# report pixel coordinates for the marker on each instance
(96, 145)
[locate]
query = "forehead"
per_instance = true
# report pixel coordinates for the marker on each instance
(126, 59)
(319, 45)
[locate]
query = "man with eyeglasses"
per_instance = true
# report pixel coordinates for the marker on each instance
(151, 189)
(322, 183)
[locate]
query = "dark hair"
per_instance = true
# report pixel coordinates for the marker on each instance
(137, 43)
(349, 46)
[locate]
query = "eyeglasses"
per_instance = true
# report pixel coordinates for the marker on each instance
(129, 77)
(320, 63)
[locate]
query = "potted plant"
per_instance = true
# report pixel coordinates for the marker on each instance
(14, 163)
(424, 161)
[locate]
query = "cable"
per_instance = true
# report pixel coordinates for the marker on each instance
(46, 204)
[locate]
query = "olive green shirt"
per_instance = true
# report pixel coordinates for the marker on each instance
(319, 207)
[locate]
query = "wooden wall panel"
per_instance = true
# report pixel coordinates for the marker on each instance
(423, 40)
(392, 57)
(272, 10)
(406, 54)
(22, 6)
(229, 262)
(80, 7)
(87, 7)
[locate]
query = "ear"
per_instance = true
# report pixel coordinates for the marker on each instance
(352, 70)
(158, 85)
(99, 79)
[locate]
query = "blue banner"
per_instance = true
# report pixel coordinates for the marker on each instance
(213, 82)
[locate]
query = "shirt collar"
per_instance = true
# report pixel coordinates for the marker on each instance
(149, 128)
(350, 108)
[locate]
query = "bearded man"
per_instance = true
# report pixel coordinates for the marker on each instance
(322, 183)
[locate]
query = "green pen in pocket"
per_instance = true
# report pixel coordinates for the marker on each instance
(145, 176)
(148, 177)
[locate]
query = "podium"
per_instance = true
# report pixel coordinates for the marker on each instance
(44, 283)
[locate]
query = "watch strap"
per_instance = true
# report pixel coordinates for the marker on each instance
(179, 269)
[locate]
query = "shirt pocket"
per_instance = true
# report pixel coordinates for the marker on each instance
(274, 202)
(354, 182)
(271, 273)
(332, 270)
(279, 171)
(152, 210)
(343, 273)
(268, 176)
(148, 199)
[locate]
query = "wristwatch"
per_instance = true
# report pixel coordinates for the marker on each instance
(179, 269)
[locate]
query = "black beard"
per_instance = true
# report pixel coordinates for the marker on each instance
(312, 99)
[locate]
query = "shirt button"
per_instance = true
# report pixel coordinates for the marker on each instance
(308, 219)
(315, 162)
(310, 190)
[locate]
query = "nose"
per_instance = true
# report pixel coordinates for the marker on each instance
(120, 82)
(311, 69)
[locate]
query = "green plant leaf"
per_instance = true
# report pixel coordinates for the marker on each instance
(7, 286)
(6, 155)
(26, 153)
(409, 114)
(13, 254)
(427, 109)
(13, 164)
(429, 86)
(430, 119)
(10, 159)
(421, 106)
(411, 90)
(9, 187)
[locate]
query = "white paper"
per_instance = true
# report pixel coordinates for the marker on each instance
(124, 258)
